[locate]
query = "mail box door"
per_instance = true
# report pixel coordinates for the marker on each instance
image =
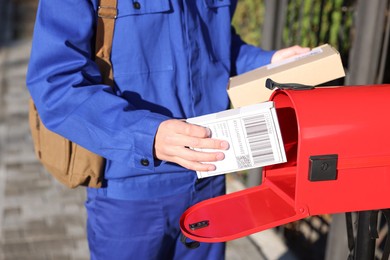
(239, 214)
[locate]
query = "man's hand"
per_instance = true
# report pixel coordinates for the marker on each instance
(173, 138)
(289, 52)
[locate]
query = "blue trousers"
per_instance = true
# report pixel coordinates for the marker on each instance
(138, 218)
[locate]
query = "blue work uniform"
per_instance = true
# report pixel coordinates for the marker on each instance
(171, 59)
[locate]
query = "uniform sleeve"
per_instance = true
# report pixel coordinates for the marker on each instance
(64, 83)
(246, 57)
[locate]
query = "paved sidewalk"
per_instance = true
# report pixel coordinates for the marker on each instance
(39, 218)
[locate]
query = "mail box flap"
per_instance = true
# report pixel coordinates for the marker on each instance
(239, 214)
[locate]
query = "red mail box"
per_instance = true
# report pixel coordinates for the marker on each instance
(337, 142)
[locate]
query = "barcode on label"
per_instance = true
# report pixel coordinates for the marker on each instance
(259, 139)
(243, 161)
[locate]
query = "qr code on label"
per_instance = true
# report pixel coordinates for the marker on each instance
(243, 161)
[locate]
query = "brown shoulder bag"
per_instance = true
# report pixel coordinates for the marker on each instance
(68, 162)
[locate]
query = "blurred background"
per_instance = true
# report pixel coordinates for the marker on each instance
(40, 219)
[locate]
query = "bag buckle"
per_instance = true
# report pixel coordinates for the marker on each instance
(107, 12)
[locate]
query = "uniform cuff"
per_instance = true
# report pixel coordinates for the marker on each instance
(144, 144)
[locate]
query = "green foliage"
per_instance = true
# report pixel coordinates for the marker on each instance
(308, 22)
(315, 22)
(248, 20)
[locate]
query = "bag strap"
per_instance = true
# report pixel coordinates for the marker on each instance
(107, 14)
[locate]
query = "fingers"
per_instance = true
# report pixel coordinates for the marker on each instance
(181, 127)
(173, 138)
(195, 160)
(179, 133)
(289, 52)
(296, 49)
(292, 51)
(191, 159)
(196, 166)
(196, 142)
(192, 155)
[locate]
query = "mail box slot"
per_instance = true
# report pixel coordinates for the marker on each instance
(337, 142)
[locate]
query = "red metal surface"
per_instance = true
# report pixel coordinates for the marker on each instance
(240, 214)
(348, 121)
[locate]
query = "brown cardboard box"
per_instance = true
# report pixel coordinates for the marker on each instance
(320, 65)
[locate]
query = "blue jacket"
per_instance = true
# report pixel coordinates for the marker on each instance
(171, 59)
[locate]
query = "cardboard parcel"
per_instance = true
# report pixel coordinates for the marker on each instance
(320, 65)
